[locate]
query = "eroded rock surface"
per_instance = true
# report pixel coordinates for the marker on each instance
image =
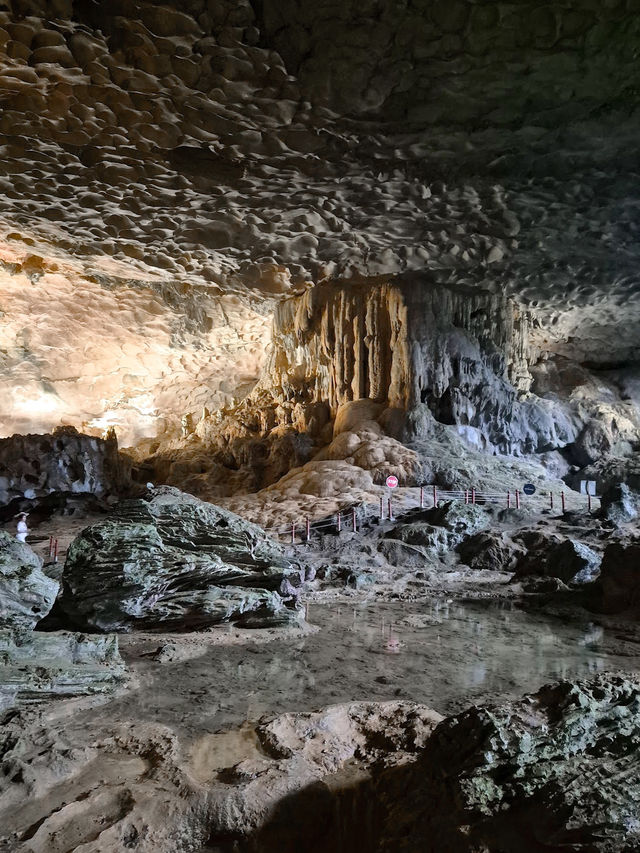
(550, 555)
(34, 466)
(172, 561)
(619, 504)
(170, 170)
(556, 769)
(35, 666)
(43, 666)
(27, 594)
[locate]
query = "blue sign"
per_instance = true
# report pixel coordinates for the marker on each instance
(528, 488)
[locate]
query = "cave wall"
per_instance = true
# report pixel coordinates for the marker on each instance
(404, 344)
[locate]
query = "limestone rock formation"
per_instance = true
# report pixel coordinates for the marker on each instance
(171, 170)
(550, 555)
(555, 769)
(488, 551)
(34, 466)
(619, 504)
(36, 666)
(174, 562)
(433, 532)
(403, 357)
(27, 594)
(311, 768)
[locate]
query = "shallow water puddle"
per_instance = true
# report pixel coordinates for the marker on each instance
(449, 654)
(443, 654)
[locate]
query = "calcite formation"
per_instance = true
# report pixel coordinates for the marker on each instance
(176, 563)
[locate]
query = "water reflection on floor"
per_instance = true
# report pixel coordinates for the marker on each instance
(449, 654)
(444, 654)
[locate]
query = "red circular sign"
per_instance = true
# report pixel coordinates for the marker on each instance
(392, 481)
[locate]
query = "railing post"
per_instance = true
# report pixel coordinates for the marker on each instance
(421, 497)
(517, 498)
(473, 496)
(55, 551)
(381, 508)
(562, 501)
(466, 496)
(508, 500)
(308, 530)
(339, 521)
(353, 517)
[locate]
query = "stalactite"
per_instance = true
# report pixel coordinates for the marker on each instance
(463, 353)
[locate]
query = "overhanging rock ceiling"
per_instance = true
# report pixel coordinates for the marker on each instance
(205, 149)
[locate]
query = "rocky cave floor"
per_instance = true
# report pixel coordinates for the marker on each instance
(297, 736)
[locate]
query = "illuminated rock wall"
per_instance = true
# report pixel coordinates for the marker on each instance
(404, 344)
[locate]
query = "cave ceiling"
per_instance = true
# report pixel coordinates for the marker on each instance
(168, 171)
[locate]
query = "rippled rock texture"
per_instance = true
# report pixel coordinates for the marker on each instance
(176, 563)
(27, 594)
(556, 769)
(37, 666)
(32, 665)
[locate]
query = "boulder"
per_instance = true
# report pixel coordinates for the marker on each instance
(435, 531)
(54, 665)
(549, 555)
(34, 665)
(620, 577)
(556, 770)
(486, 551)
(27, 594)
(619, 504)
(459, 518)
(172, 562)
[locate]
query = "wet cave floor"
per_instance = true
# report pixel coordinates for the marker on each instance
(442, 653)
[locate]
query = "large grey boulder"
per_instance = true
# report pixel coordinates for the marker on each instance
(486, 551)
(177, 563)
(27, 594)
(557, 770)
(619, 504)
(34, 665)
(434, 532)
(548, 555)
(54, 665)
